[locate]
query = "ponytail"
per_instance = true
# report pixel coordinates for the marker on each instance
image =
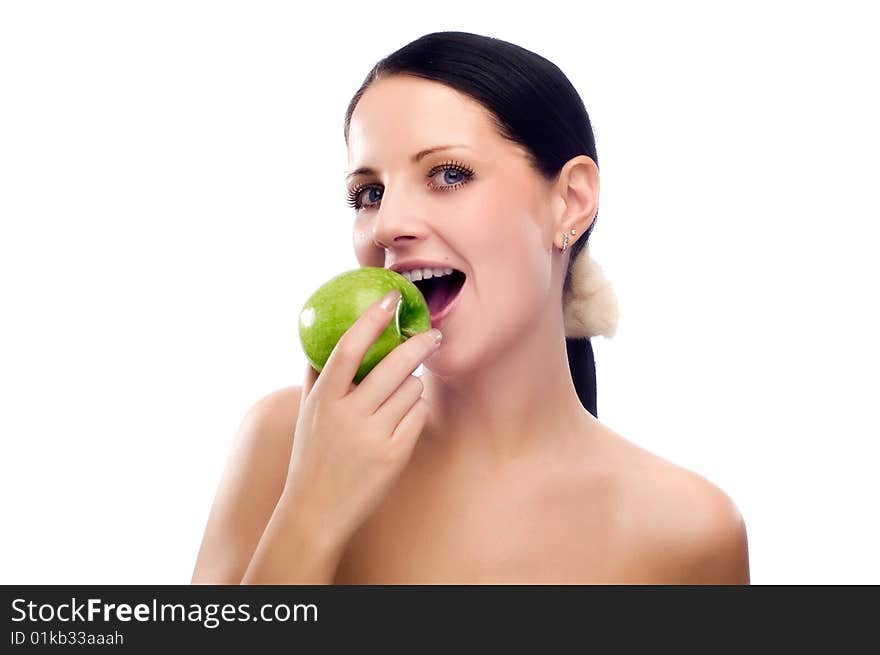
(582, 365)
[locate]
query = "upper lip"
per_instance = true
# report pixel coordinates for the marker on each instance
(410, 264)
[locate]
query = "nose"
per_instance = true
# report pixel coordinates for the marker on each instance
(395, 223)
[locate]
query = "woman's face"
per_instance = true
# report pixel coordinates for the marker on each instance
(478, 207)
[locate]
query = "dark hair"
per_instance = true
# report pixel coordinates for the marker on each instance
(532, 103)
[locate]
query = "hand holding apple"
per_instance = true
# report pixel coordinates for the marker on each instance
(337, 304)
(351, 442)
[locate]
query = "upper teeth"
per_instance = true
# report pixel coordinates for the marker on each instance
(425, 273)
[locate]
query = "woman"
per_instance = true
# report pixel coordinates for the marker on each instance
(467, 153)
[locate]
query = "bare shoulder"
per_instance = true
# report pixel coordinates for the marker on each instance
(687, 529)
(274, 415)
(252, 482)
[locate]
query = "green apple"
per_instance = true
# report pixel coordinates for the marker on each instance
(337, 304)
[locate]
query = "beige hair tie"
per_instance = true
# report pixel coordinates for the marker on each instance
(589, 303)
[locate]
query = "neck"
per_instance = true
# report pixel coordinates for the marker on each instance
(520, 401)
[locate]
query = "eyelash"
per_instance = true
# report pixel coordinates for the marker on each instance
(355, 193)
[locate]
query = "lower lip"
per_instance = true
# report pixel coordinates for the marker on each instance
(437, 319)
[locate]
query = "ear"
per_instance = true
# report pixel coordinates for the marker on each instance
(577, 189)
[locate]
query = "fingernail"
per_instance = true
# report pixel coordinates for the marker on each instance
(437, 335)
(390, 299)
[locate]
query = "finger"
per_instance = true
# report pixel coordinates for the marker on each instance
(309, 380)
(410, 428)
(400, 402)
(389, 374)
(348, 353)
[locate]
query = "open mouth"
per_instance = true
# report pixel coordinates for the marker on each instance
(440, 292)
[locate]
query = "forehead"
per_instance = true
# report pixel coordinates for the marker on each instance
(399, 115)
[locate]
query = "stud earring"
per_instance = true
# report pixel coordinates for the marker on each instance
(565, 240)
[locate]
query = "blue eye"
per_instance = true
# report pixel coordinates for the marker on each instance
(457, 175)
(454, 176)
(354, 196)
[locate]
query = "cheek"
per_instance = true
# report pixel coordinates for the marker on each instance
(489, 221)
(514, 268)
(508, 230)
(367, 253)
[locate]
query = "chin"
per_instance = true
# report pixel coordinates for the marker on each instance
(448, 361)
(460, 357)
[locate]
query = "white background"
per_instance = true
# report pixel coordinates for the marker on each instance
(171, 192)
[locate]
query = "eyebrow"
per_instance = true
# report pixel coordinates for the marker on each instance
(416, 158)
